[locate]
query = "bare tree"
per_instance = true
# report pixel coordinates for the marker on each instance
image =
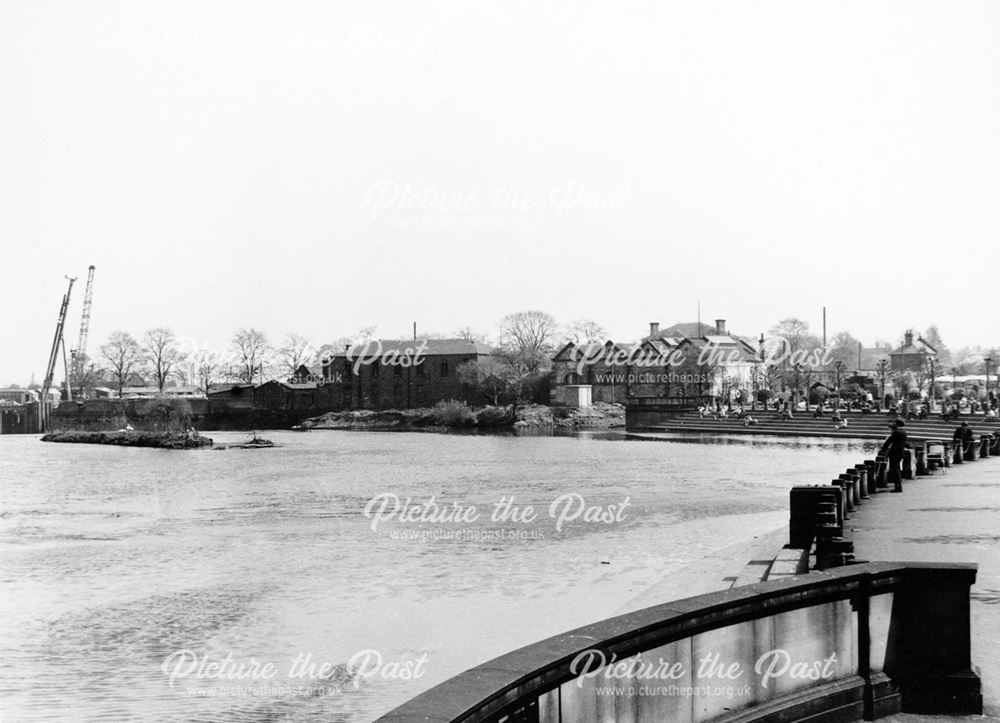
(585, 331)
(85, 376)
(844, 348)
(162, 354)
(251, 348)
(295, 352)
(123, 354)
(206, 367)
(933, 337)
(528, 338)
(326, 352)
(794, 331)
(487, 374)
(467, 333)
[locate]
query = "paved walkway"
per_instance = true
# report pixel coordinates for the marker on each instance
(947, 518)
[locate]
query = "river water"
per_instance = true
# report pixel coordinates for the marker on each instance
(267, 585)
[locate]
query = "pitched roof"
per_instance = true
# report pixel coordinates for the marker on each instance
(746, 351)
(918, 346)
(687, 329)
(431, 347)
(223, 388)
(290, 385)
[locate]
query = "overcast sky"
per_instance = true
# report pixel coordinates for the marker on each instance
(318, 167)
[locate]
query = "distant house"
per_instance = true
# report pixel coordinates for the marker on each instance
(307, 373)
(664, 365)
(400, 374)
(282, 396)
(913, 355)
(235, 396)
(12, 396)
(609, 368)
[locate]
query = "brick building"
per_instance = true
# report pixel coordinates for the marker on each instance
(662, 366)
(913, 355)
(306, 397)
(400, 374)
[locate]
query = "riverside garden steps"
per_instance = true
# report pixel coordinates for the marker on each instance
(859, 426)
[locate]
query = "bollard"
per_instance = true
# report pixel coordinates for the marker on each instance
(959, 456)
(848, 483)
(871, 467)
(907, 466)
(881, 470)
(995, 445)
(862, 473)
(920, 453)
(809, 507)
(842, 504)
(848, 493)
(855, 480)
(969, 450)
(984, 446)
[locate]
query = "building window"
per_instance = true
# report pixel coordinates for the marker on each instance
(571, 378)
(444, 367)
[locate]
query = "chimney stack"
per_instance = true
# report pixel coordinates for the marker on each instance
(908, 338)
(654, 328)
(720, 327)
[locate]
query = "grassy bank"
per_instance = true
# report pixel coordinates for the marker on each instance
(458, 415)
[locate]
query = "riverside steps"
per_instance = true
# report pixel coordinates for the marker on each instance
(803, 424)
(856, 639)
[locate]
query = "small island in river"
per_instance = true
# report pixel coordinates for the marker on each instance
(131, 438)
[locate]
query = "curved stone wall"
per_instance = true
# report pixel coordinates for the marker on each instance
(859, 641)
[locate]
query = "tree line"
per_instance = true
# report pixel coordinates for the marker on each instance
(522, 359)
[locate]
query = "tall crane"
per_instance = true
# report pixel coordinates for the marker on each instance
(79, 354)
(57, 344)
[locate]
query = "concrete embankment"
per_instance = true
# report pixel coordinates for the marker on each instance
(161, 440)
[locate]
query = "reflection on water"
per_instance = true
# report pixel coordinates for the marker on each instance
(129, 573)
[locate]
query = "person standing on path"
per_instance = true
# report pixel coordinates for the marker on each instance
(963, 438)
(895, 447)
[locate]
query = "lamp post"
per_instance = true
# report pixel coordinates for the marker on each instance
(838, 368)
(798, 370)
(986, 362)
(932, 367)
(882, 366)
